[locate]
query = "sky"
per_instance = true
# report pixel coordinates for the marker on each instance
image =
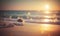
(30, 4)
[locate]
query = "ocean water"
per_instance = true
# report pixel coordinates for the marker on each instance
(33, 16)
(37, 23)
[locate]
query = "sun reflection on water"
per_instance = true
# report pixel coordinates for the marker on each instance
(46, 28)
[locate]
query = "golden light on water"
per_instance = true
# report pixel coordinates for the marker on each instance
(31, 19)
(46, 20)
(47, 12)
(46, 27)
(28, 13)
(47, 17)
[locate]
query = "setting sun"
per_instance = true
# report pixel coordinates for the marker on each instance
(47, 7)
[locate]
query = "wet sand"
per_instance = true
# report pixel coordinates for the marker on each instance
(31, 30)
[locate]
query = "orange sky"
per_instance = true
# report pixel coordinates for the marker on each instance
(32, 5)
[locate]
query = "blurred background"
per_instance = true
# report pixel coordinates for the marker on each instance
(41, 17)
